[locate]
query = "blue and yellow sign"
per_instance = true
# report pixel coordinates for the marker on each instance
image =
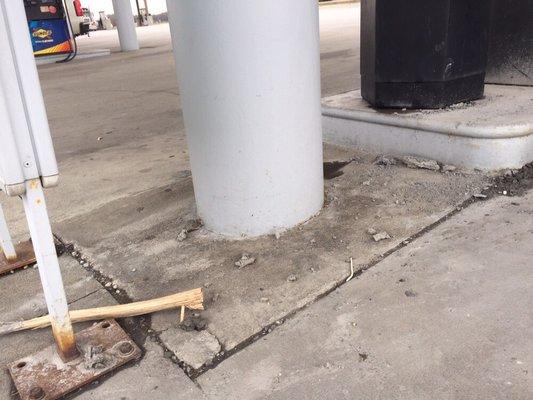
(50, 37)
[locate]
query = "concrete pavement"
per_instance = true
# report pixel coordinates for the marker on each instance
(446, 317)
(125, 194)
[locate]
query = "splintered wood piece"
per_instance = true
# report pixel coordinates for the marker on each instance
(192, 299)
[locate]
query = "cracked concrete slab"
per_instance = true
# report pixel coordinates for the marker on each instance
(126, 147)
(447, 317)
(22, 298)
(154, 378)
(135, 241)
(125, 198)
(193, 348)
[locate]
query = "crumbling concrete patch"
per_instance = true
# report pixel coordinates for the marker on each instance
(153, 378)
(400, 201)
(422, 163)
(192, 347)
(378, 237)
(244, 261)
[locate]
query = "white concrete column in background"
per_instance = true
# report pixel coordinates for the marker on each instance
(127, 34)
(249, 74)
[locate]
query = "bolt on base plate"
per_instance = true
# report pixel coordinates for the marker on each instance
(25, 256)
(103, 347)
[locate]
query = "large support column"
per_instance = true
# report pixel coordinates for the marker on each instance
(125, 25)
(249, 74)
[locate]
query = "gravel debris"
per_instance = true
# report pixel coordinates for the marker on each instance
(385, 160)
(182, 235)
(449, 168)
(292, 278)
(378, 237)
(244, 261)
(422, 163)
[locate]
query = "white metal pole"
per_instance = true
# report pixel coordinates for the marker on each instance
(30, 89)
(125, 25)
(46, 256)
(21, 99)
(249, 74)
(6, 244)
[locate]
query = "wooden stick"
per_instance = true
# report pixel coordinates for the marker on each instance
(192, 299)
(352, 272)
(182, 314)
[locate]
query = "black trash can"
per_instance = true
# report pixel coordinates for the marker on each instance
(423, 53)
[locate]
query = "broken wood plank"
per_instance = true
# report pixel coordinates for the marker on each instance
(192, 299)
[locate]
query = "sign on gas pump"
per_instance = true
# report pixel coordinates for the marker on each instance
(48, 27)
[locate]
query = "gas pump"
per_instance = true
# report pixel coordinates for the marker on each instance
(49, 25)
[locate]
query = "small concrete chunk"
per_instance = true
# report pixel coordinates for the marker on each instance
(182, 235)
(385, 160)
(378, 237)
(449, 168)
(244, 261)
(193, 348)
(371, 231)
(292, 278)
(422, 163)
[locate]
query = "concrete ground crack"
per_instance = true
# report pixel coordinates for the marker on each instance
(508, 180)
(147, 332)
(511, 183)
(139, 328)
(83, 297)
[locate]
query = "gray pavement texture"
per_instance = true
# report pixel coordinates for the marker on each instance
(440, 307)
(153, 378)
(446, 317)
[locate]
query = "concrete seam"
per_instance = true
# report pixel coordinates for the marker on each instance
(122, 297)
(492, 190)
(495, 189)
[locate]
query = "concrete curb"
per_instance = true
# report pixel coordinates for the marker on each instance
(494, 133)
(447, 128)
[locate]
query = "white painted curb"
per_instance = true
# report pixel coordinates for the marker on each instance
(491, 134)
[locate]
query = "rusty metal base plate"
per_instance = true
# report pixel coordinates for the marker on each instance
(103, 347)
(25, 256)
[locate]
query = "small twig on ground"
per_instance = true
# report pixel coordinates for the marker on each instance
(352, 272)
(182, 314)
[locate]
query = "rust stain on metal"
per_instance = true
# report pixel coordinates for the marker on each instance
(65, 341)
(103, 347)
(25, 256)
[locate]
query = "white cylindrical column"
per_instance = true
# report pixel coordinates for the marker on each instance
(127, 34)
(249, 74)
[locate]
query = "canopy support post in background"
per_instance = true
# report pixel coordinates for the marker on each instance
(127, 34)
